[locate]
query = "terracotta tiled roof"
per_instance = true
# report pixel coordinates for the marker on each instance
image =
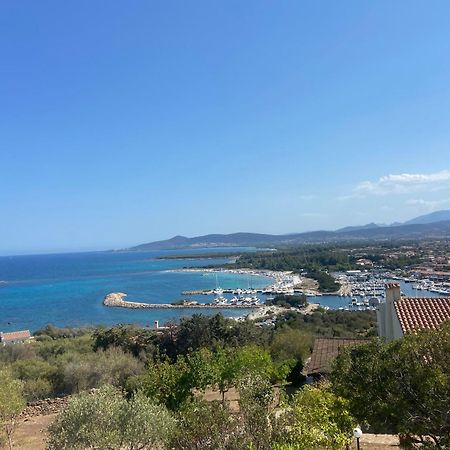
(421, 313)
(15, 336)
(325, 351)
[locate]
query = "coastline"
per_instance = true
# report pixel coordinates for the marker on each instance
(259, 311)
(283, 281)
(44, 295)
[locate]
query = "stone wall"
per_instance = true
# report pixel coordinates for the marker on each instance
(45, 407)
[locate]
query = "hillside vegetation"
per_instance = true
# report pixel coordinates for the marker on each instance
(150, 386)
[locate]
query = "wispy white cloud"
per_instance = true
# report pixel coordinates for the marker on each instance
(404, 183)
(429, 205)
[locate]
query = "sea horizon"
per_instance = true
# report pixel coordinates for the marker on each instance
(67, 289)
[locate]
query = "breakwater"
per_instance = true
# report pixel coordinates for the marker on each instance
(81, 281)
(116, 300)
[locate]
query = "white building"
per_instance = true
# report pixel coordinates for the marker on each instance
(400, 315)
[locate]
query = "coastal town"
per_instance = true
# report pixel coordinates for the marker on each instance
(299, 308)
(225, 225)
(405, 299)
(363, 284)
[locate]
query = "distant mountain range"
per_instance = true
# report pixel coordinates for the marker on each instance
(436, 216)
(433, 225)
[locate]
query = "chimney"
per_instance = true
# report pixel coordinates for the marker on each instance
(392, 295)
(392, 292)
(156, 324)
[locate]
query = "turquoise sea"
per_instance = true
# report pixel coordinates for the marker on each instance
(68, 289)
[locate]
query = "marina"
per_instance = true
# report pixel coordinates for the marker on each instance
(360, 290)
(239, 291)
(116, 299)
(365, 290)
(68, 289)
(72, 294)
(284, 283)
(426, 284)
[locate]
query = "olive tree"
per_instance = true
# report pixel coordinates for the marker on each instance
(12, 403)
(256, 410)
(316, 419)
(204, 425)
(170, 384)
(105, 420)
(230, 365)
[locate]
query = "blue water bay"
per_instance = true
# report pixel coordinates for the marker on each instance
(68, 289)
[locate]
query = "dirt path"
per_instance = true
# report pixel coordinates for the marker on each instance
(378, 442)
(31, 432)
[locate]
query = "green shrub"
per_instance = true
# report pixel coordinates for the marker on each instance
(106, 420)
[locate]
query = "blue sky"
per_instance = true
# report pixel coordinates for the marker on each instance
(127, 122)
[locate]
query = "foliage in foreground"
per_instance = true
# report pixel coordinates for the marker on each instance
(318, 419)
(333, 323)
(66, 361)
(12, 404)
(173, 384)
(315, 419)
(207, 425)
(107, 420)
(401, 387)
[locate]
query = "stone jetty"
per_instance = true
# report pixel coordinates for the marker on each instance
(116, 299)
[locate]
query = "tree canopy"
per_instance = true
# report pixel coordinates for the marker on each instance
(12, 404)
(107, 420)
(317, 419)
(400, 387)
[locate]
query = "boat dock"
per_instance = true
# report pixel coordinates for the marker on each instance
(116, 299)
(237, 291)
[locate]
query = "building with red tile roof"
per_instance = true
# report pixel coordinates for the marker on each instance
(325, 350)
(14, 337)
(400, 315)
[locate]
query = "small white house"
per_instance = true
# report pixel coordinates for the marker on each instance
(14, 337)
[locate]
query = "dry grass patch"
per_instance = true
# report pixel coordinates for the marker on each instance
(31, 433)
